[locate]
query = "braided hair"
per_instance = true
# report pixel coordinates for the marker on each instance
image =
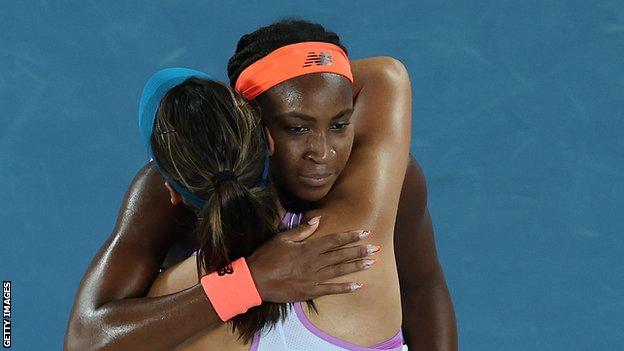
(256, 45)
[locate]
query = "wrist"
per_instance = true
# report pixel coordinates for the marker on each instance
(256, 275)
(231, 289)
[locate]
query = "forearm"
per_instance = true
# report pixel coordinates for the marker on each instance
(428, 316)
(110, 311)
(154, 324)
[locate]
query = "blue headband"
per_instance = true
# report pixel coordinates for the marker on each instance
(155, 89)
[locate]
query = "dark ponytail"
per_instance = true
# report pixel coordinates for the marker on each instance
(203, 128)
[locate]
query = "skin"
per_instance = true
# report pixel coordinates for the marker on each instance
(109, 313)
(308, 120)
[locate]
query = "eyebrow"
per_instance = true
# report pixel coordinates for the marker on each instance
(303, 116)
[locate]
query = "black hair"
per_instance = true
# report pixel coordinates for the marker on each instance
(256, 45)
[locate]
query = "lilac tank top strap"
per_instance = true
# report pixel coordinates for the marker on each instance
(292, 220)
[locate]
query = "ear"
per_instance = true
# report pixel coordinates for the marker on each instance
(270, 141)
(176, 198)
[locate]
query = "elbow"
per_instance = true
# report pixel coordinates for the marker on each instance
(393, 70)
(85, 333)
(75, 337)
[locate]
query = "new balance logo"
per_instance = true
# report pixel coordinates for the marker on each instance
(318, 59)
(225, 270)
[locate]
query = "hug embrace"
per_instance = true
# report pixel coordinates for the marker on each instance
(280, 212)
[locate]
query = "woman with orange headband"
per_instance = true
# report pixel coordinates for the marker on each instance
(365, 195)
(301, 89)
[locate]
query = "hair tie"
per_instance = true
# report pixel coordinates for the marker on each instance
(223, 176)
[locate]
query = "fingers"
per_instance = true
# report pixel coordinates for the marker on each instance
(345, 268)
(334, 289)
(347, 254)
(303, 231)
(333, 241)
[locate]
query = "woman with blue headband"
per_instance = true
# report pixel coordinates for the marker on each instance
(207, 142)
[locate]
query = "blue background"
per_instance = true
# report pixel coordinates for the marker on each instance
(518, 117)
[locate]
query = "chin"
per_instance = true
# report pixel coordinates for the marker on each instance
(313, 194)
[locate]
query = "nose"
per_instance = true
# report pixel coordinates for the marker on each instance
(320, 148)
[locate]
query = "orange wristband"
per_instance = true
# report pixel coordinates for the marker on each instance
(231, 290)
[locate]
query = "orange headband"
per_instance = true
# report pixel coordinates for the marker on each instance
(292, 61)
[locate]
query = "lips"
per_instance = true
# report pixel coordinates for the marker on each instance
(316, 179)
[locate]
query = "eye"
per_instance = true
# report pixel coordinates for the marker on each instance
(340, 126)
(297, 129)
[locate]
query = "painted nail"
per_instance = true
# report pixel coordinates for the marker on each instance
(372, 248)
(364, 234)
(369, 262)
(355, 286)
(314, 220)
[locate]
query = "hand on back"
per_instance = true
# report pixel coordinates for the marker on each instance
(292, 267)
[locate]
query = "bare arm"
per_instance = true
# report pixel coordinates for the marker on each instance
(367, 192)
(428, 317)
(108, 313)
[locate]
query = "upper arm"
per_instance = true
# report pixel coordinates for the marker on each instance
(367, 192)
(414, 240)
(383, 99)
(414, 246)
(128, 261)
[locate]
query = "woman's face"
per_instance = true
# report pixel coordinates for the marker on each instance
(308, 118)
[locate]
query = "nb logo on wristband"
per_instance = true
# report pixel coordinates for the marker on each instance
(320, 59)
(225, 270)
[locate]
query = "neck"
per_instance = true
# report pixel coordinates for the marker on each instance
(292, 203)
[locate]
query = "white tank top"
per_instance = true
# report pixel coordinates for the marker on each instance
(297, 333)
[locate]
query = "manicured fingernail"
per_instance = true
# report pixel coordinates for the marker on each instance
(364, 234)
(369, 262)
(355, 286)
(314, 220)
(372, 248)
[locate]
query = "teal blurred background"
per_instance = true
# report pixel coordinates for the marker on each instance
(518, 121)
